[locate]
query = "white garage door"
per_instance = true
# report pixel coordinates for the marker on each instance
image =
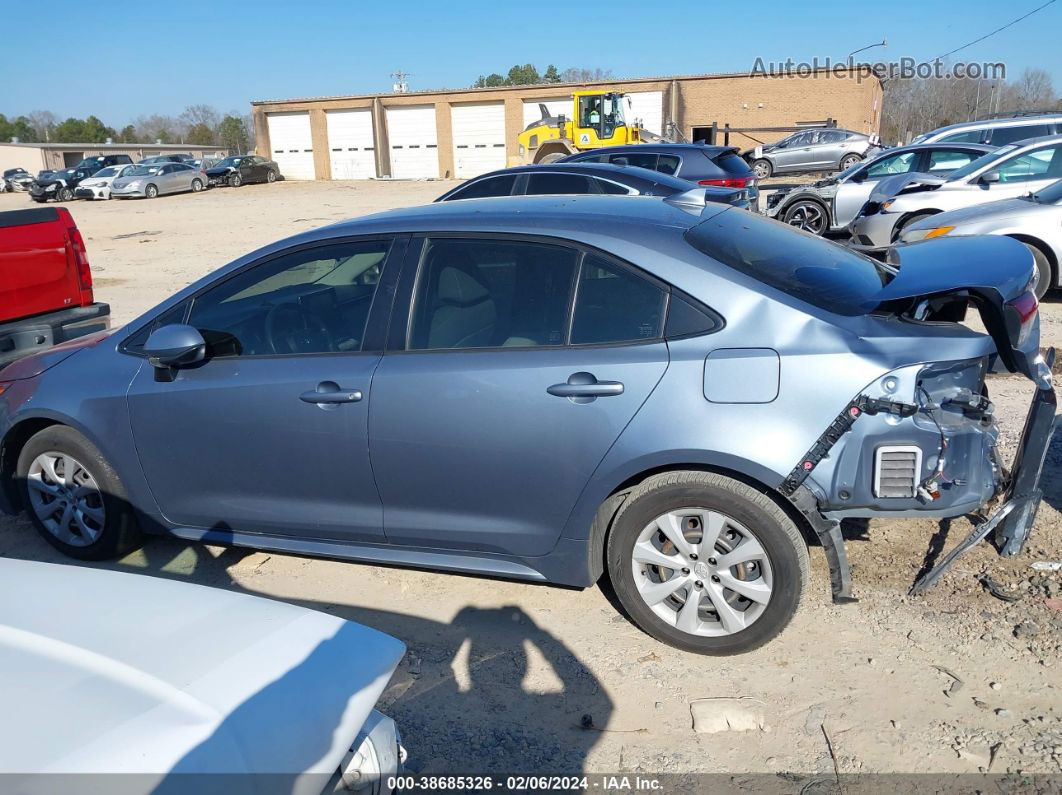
(413, 141)
(556, 107)
(479, 138)
(648, 107)
(291, 144)
(351, 147)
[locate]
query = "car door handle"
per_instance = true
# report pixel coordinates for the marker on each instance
(584, 387)
(329, 393)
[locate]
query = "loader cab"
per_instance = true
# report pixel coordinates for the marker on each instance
(599, 119)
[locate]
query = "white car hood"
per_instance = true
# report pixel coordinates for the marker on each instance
(107, 672)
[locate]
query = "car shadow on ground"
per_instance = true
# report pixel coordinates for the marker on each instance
(490, 691)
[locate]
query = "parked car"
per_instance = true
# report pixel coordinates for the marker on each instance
(45, 282)
(1035, 219)
(173, 687)
(150, 161)
(58, 185)
(1008, 172)
(149, 181)
(203, 163)
(97, 162)
(573, 386)
(830, 204)
(589, 178)
(98, 186)
(703, 165)
(15, 179)
(816, 149)
(236, 170)
(997, 132)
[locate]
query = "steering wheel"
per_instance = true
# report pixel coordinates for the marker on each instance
(292, 328)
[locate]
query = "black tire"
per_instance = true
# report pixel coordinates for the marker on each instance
(38, 200)
(762, 168)
(779, 537)
(848, 161)
(235, 181)
(197, 185)
(552, 158)
(271, 176)
(809, 215)
(120, 533)
(151, 191)
(65, 194)
(1045, 278)
(906, 222)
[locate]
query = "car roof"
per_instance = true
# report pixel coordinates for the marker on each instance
(708, 149)
(1012, 121)
(983, 148)
(1025, 143)
(603, 170)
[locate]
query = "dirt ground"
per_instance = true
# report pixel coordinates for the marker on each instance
(500, 675)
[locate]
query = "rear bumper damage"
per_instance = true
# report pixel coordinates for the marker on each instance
(949, 465)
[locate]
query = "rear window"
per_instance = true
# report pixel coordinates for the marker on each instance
(732, 163)
(822, 273)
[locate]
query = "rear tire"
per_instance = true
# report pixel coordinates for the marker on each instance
(271, 176)
(757, 550)
(849, 160)
(77, 502)
(762, 168)
(552, 158)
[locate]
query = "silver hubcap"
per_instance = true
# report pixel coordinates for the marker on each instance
(760, 170)
(807, 217)
(66, 498)
(702, 572)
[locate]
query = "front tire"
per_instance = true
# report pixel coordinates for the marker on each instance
(74, 497)
(807, 215)
(706, 563)
(906, 222)
(235, 181)
(197, 185)
(762, 168)
(150, 192)
(65, 194)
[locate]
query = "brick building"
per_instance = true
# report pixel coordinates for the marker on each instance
(464, 132)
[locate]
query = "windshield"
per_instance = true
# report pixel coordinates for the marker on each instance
(228, 162)
(1052, 194)
(142, 171)
(90, 162)
(815, 270)
(983, 160)
(110, 171)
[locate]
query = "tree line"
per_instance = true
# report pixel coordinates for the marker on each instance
(527, 74)
(198, 125)
(917, 105)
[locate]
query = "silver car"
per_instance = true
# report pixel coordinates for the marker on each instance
(1008, 172)
(149, 181)
(997, 132)
(1035, 219)
(830, 204)
(811, 150)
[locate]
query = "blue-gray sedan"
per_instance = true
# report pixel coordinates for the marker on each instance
(545, 388)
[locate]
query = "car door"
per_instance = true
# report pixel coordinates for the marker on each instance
(248, 170)
(795, 152)
(495, 402)
(853, 193)
(241, 443)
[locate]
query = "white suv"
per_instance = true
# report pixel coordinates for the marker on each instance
(995, 132)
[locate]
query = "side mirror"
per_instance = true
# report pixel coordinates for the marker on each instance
(177, 345)
(989, 177)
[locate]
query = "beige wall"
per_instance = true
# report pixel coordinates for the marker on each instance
(27, 157)
(740, 100)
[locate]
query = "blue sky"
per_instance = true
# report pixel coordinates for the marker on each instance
(142, 57)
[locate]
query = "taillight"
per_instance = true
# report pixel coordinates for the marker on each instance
(729, 182)
(1020, 313)
(79, 257)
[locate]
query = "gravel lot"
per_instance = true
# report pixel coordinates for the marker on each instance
(500, 675)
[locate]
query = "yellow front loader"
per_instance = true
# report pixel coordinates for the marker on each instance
(598, 119)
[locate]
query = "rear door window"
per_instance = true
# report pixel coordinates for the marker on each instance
(557, 183)
(614, 304)
(1006, 135)
(639, 159)
(967, 137)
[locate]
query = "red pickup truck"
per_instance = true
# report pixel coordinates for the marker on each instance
(45, 283)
